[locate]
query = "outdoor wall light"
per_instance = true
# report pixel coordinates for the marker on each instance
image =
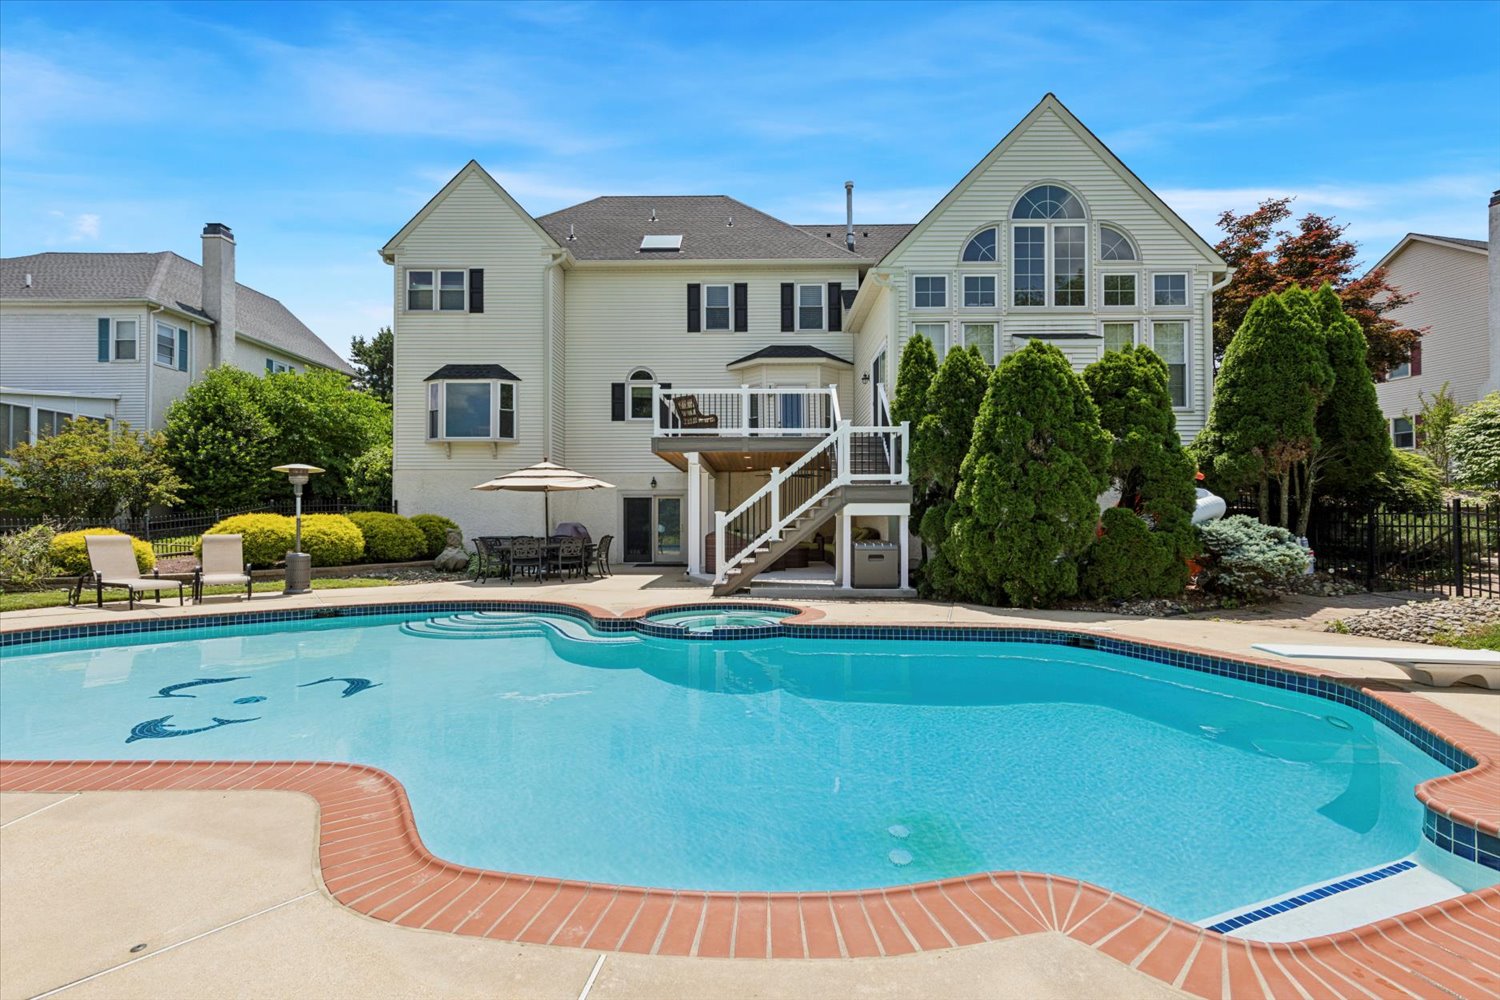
(298, 563)
(653, 482)
(864, 379)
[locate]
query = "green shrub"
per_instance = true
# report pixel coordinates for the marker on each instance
(70, 553)
(331, 539)
(389, 537)
(1129, 560)
(26, 557)
(435, 528)
(1475, 444)
(1409, 482)
(1241, 556)
(267, 537)
(370, 478)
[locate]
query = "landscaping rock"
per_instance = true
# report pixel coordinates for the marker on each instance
(1419, 621)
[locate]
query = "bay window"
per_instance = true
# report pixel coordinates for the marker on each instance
(471, 410)
(1170, 341)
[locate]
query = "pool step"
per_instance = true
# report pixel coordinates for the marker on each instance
(507, 625)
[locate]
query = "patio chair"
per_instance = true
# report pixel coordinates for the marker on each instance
(528, 553)
(688, 414)
(112, 563)
(223, 562)
(569, 556)
(492, 558)
(601, 555)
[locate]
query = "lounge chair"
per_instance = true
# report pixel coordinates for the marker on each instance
(688, 414)
(1436, 666)
(223, 562)
(112, 563)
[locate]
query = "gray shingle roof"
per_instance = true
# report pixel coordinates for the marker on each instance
(871, 242)
(789, 351)
(160, 277)
(611, 227)
(1476, 244)
(473, 371)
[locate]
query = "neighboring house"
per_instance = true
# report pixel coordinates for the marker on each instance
(1453, 283)
(120, 336)
(724, 368)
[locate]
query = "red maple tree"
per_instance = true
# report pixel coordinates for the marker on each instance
(1270, 258)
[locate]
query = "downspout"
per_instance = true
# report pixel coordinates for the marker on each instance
(553, 258)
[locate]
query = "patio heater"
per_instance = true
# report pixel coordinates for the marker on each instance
(298, 563)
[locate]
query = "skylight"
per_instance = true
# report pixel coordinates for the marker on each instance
(661, 243)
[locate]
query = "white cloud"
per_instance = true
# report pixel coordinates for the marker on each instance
(85, 227)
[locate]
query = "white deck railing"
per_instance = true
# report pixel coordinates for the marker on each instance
(746, 412)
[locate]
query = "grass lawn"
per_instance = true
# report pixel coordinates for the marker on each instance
(26, 600)
(1484, 637)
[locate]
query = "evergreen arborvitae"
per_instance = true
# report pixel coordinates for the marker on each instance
(913, 376)
(1026, 508)
(1354, 442)
(938, 447)
(1149, 537)
(1262, 424)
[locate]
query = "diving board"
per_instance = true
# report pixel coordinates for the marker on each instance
(1437, 666)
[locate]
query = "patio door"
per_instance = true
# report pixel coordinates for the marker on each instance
(652, 529)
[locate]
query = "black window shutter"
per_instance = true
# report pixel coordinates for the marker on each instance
(741, 307)
(476, 289)
(617, 401)
(788, 313)
(104, 344)
(695, 308)
(835, 307)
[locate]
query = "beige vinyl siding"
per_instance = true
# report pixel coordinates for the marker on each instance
(873, 338)
(55, 349)
(559, 401)
(1452, 288)
(1049, 151)
(471, 228)
(624, 318)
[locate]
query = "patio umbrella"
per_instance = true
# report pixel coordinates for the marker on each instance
(545, 478)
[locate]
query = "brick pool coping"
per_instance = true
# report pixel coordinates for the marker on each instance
(373, 861)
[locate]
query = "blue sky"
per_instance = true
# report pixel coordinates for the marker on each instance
(317, 130)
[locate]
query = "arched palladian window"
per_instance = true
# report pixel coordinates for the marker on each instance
(1114, 245)
(1049, 259)
(638, 393)
(981, 247)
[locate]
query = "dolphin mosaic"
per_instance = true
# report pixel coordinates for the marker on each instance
(352, 685)
(157, 729)
(170, 691)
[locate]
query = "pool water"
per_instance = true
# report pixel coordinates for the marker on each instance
(777, 764)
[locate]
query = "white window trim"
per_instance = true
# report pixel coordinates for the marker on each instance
(822, 308)
(1105, 273)
(1187, 291)
(1187, 355)
(114, 339)
(631, 384)
(1135, 330)
(1411, 423)
(728, 326)
(999, 236)
(442, 409)
(947, 327)
(437, 289)
(963, 289)
(1049, 260)
(177, 339)
(947, 293)
(1129, 240)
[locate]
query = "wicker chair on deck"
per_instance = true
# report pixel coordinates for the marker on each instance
(688, 414)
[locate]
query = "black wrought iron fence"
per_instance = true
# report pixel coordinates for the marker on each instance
(1454, 548)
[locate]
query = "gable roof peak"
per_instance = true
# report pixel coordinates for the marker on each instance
(471, 169)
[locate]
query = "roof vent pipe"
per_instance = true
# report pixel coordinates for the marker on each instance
(28, 281)
(849, 215)
(571, 236)
(653, 215)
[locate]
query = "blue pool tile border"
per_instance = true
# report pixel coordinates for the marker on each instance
(1473, 844)
(1311, 896)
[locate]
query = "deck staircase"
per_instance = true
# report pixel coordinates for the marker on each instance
(800, 498)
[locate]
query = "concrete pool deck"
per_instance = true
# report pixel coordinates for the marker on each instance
(81, 874)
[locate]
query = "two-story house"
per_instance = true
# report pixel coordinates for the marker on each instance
(730, 372)
(1454, 287)
(121, 336)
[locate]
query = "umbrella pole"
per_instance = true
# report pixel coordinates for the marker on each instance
(546, 513)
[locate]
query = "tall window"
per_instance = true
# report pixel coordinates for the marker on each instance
(125, 334)
(929, 291)
(979, 291)
(810, 307)
(452, 291)
(1114, 245)
(981, 247)
(715, 307)
(981, 336)
(1169, 289)
(1118, 336)
(639, 389)
(1170, 341)
(1050, 262)
(1403, 433)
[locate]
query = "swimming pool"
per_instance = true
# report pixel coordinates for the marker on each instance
(545, 746)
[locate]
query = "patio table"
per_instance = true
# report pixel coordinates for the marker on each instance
(550, 548)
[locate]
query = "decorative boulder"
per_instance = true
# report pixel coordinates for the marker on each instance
(453, 558)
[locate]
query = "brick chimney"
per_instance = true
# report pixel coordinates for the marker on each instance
(1494, 292)
(218, 288)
